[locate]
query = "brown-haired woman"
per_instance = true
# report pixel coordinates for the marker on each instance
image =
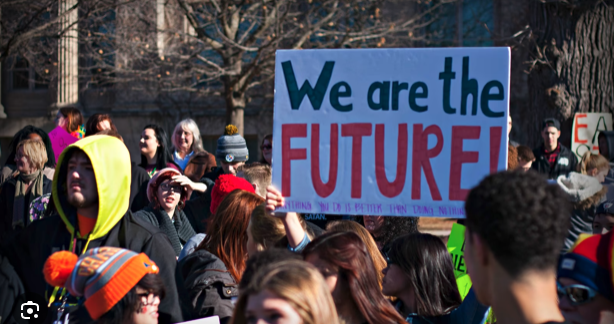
(207, 279)
(97, 123)
(350, 226)
(200, 164)
(420, 274)
(345, 263)
(23, 187)
(69, 119)
(286, 292)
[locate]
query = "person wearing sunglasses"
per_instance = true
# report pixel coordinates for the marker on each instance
(585, 282)
(266, 148)
(167, 196)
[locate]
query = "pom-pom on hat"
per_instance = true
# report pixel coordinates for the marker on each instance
(225, 184)
(102, 275)
(231, 146)
(590, 262)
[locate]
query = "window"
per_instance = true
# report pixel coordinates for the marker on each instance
(23, 76)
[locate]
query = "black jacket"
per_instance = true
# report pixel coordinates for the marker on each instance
(213, 175)
(205, 287)
(566, 162)
(198, 208)
(31, 248)
(138, 188)
(178, 231)
(7, 197)
(11, 289)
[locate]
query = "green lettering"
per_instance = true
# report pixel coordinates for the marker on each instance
(316, 95)
(396, 88)
(335, 94)
(487, 96)
(469, 87)
(447, 76)
(384, 95)
(414, 94)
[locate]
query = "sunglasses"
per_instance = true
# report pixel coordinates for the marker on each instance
(168, 187)
(577, 294)
(267, 147)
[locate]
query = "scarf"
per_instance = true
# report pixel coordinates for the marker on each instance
(178, 232)
(20, 194)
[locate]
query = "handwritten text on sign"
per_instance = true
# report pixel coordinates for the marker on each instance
(388, 132)
(586, 128)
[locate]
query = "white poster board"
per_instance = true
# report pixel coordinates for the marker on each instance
(586, 128)
(206, 320)
(397, 132)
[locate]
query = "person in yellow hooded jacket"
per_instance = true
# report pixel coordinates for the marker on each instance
(91, 190)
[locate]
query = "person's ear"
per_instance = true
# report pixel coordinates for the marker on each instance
(593, 172)
(255, 185)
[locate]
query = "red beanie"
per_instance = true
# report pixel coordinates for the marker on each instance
(225, 184)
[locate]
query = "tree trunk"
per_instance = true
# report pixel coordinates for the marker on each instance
(235, 107)
(573, 62)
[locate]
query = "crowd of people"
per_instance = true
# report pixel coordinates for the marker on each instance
(176, 237)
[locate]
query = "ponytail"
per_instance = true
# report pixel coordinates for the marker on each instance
(592, 161)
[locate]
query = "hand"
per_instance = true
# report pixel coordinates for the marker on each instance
(186, 182)
(274, 200)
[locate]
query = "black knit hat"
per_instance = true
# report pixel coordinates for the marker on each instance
(231, 146)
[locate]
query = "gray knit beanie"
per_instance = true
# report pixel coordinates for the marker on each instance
(231, 146)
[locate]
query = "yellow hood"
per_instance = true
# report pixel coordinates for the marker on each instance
(111, 163)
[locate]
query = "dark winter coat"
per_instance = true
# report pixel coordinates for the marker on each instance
(115, 226)
(11, 292)
(7, 197)
(566, 162)
(205, 287)
(138, 188)
(198, 208)
(178, 230)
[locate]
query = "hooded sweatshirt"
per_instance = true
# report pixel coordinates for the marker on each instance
(586, 193)
(115, 226)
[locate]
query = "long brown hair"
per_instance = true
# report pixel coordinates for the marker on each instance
(298, 283)
(200, 163)
(592, 161)
(347, 251)
(226, 234)
(426, 261)
(73, 116)
(350, 226)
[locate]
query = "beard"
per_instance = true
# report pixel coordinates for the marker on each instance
(80, 201)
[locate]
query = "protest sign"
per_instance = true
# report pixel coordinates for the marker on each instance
(399, 132)
(586, 128)
(456, 248)
(206, 320)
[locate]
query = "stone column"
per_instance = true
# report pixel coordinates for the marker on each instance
(68, 54)
(160, 27)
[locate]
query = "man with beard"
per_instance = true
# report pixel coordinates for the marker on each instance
(91, 196)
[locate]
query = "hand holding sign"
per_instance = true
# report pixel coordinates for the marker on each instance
(294, 229)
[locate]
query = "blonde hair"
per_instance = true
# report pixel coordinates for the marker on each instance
(350, 226)
(190, 126)
(35, 152)
(592, 161)
(267, 230)
(298, 283)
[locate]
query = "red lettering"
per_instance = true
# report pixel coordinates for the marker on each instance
(324, 189)
(387, 188)
(289, 131)
(495, 147)
(459, 157)
(356, 131)
(421, 160)
(577, 127)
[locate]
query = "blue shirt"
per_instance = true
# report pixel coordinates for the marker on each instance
(470, 311)
(182, 163)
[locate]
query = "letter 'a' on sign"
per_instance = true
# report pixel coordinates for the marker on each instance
(399, 132)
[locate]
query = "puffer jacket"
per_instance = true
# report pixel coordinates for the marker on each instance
(586, 193)
(206, 287)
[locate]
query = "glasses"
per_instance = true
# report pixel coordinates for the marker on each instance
(577, 294)
(167, 187)
(267, 147)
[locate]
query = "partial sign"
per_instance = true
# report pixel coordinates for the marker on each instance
(586, 128)
(399, 132)
(456, 247)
